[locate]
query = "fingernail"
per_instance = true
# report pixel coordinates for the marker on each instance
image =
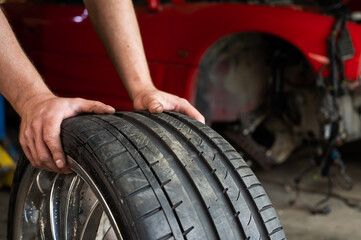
(155, 107)
(110, 108)
(59, 163)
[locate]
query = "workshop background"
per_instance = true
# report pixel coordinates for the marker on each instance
(341, 222)
(279, 79)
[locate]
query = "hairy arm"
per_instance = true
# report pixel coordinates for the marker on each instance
(116, 25)
(19, 80)
(40, 110)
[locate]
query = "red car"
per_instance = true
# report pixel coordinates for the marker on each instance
(277, 73)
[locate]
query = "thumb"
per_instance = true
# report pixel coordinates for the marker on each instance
(155, 106)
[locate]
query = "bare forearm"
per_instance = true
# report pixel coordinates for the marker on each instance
(40, 110)
(19, 81)
(116, 25)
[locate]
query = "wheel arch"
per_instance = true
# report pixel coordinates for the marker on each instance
(200, 82)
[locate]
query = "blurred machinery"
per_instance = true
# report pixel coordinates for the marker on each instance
(8, 153)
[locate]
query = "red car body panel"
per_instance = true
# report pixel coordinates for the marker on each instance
(61, 42)
(209, 23)
(67, 53)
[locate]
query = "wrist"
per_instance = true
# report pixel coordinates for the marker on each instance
(140, 89)
(32, 99)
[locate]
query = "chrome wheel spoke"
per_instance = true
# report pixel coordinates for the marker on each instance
(72, 226)
(104, 227)
(31, 212)
(58, 206)
(88, 202)
(36, 216)
(110, 235)
(92, 222)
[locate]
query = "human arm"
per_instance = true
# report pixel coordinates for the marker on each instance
(40, 110)
(116, 25)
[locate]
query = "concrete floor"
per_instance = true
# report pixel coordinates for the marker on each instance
(342, 223)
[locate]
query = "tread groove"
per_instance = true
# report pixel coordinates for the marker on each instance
(247, 194)
(177, 204)
(203, 164)
(182, 169)
(139, 158)
(114, 156)
(137, 191)
(249, 175)
(271, 219)
(92, 136)
(265, 208)
(188, 161)
(149, 214)
(121, 174)
(104, 144)
(276, 230)
(165, 183)
(239, 194)
(241, 167)
(262, 195)
(250, 219)
(188, 231)
(166, 237)
(254, 185)
(88, 129)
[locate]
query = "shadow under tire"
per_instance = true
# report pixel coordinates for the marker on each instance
(153, 176)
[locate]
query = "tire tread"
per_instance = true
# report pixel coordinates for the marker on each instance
(193, 179)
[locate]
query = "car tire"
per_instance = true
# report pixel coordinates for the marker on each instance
(150, 176)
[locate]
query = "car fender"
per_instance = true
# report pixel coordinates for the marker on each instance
(307, 31)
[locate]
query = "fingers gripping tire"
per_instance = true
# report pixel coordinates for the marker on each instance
(162, 176)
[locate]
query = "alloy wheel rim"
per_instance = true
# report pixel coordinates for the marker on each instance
(62, 206)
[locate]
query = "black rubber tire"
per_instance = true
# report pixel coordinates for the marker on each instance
(166, 176)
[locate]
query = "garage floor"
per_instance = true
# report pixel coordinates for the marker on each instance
(342, 223)
(344, 220)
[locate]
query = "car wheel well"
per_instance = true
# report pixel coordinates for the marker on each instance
(235, 73)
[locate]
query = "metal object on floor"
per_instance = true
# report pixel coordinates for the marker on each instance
(324, 168)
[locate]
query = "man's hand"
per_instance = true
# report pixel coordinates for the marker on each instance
(40, 128)
(117, 27)
(157, 101)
